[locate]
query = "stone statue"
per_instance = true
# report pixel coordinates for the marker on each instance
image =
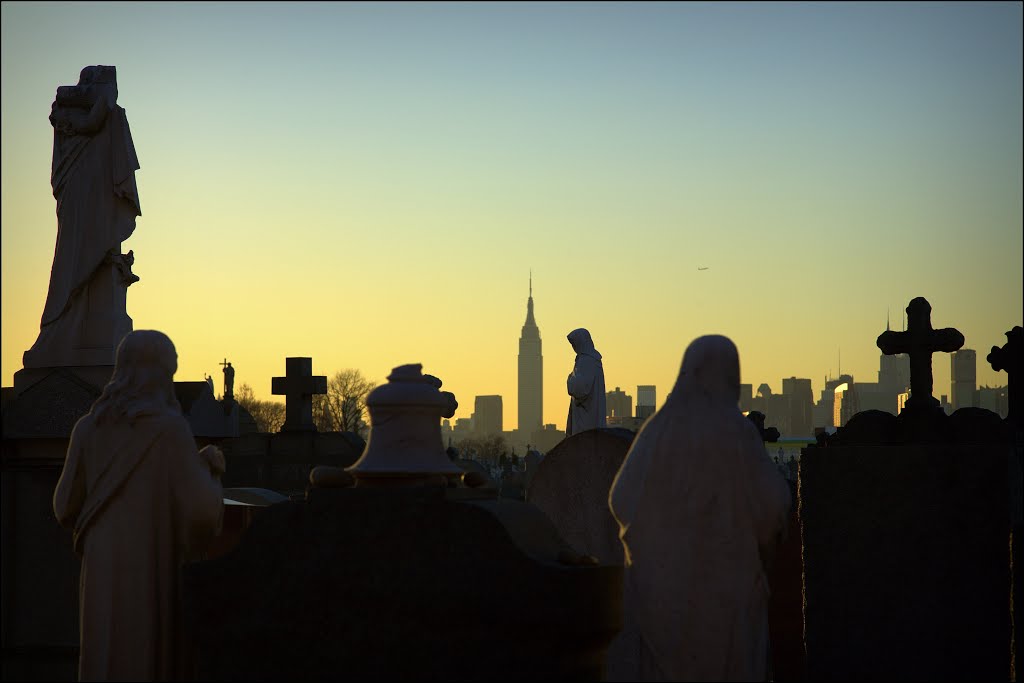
(701, 509)
(93, 180)
(141, 500)
(229, 381)
(585, 385)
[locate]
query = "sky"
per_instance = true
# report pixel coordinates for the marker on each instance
(371, 184)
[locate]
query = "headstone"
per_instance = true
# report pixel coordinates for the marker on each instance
(919, 342)
(369, 581)
(298, 386)
(906, 535)
(531, 461)
(571, 487)
(1009, 358)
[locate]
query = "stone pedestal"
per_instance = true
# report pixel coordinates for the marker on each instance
(401, 573)
(420, 583)
(906, 554)
(89, 332)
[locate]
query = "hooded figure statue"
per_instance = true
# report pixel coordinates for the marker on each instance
(140, 500)
(585, 385)
(701, 509)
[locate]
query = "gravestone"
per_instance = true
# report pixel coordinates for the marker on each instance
(368, 581)
(531, 461)
(919, 342)
(282, 462)
(571, 487)
(1009, 358)
(905, 523)
(298, 387)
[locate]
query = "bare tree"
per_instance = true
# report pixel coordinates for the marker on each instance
(490, 448)
(343, 408)
(268, 415)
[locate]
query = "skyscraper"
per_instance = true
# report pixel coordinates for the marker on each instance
(531, 373)
(964, 378)
(487, 416)
(646, 398)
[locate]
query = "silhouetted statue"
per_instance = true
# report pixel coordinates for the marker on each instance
(141, 500)
(1008, 358)
(919, 342)
(93, 180)
(229, 381)
(585, 385)
(701, 509)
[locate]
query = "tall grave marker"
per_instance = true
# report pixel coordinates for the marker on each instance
(905, 524)
(298, 387)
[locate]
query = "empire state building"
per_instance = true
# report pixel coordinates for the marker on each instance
(531, 374)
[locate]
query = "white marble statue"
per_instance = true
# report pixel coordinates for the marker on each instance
(141, 500)
(93, 180)
(585, 385)
(701, 509)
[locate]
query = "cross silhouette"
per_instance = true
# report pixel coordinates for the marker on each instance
(1009, 358)
(298, 386)
(919, 342)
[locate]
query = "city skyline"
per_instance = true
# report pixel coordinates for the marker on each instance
(369, 184)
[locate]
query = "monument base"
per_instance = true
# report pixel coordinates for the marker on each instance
(93, 374)
(90, 328)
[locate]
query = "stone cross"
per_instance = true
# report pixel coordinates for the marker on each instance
(919, 342)
(1008, 358)
(298, 386)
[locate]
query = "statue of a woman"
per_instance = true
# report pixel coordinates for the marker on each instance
(93, 180)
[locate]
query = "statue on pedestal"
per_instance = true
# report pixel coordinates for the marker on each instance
(93, 180)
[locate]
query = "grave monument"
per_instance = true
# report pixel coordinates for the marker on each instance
(394, 569)
(906, 533)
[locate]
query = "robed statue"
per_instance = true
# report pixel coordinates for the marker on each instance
(93, 180)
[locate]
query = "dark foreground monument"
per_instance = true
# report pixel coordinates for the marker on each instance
(906, 533)
(398, 571)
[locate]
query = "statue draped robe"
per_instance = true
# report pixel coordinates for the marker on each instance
(93, 180)
(140, 502)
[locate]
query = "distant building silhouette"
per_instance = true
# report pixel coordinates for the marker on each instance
(646, 400)
(996, 399)
(824, 414)
(618, 404)
(487, 415)
(963, 378)
(799, 399)
(845, 404)
(746, 398)
(531, 373)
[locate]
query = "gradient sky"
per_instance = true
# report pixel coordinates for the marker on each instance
(370, 184)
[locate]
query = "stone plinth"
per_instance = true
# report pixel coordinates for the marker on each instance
(906, 561)
(423, 583)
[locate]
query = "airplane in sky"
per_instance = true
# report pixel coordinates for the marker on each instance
(702, 267)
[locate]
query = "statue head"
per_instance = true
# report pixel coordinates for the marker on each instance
(143, 379)
(710, 372)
